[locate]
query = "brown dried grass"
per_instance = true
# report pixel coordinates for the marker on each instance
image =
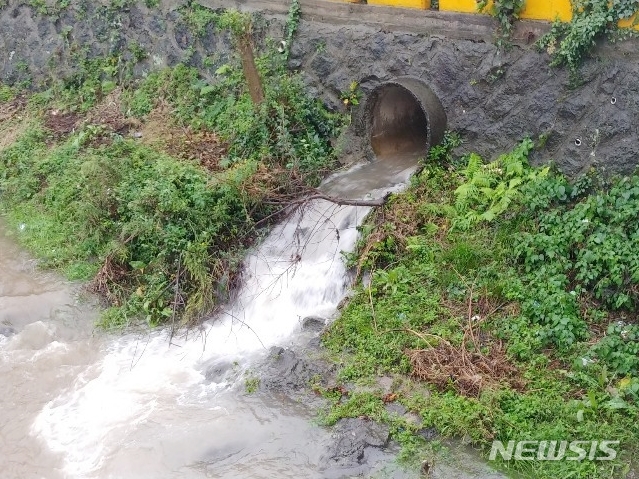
(14, 120)
(477, 364)
(61, 124)
(11, 109)
(109, 114)
(108, 277)
(469, 373)
(9, 133)
(406, 218)
(202, 146)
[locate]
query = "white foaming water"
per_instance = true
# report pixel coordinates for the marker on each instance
(295, 273)
(140, 391)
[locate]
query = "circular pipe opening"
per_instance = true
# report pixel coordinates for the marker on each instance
(399, 125)
(404, 119)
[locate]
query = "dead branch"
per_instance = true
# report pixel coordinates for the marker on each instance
(317, 195)
(290, 206)
(466, 367)
(348, 202)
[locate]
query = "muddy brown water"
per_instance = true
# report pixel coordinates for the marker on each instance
(53, 425)
(80, 403)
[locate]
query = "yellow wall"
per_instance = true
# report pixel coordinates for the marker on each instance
(548, 10)
(465, 6)
(422, 4)
(533, 9)
(629, 22)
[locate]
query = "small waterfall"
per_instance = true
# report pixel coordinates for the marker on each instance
(145, 390)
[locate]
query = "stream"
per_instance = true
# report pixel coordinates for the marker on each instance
(80, 403)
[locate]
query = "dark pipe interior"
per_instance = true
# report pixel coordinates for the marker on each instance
(399, 125)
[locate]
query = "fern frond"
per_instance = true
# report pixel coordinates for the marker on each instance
(465, 193)
(483, 179)
(475, 164)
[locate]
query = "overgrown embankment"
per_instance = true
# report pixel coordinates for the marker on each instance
(511, 294)
(154, 189)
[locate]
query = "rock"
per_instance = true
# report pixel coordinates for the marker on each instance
(396, 408)
(286, 371)
(7, 331)
(218, 371)
(313, 323)
(314, 343)
(386, 384)
(428, 433)
(351, 441)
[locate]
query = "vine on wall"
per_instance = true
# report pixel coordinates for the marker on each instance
(569, 43)
(292, 23)
(506, 12)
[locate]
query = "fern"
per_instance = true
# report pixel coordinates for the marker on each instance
(489, 189)
(475, 164)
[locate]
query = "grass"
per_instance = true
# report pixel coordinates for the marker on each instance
(159, 224)
(449, 306)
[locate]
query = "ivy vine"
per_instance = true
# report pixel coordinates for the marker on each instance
(569, 43)
(292, 23)
(506, 12)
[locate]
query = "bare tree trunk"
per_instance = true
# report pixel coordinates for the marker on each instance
(250, 69)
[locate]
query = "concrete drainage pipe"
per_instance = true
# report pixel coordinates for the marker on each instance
(403, 118)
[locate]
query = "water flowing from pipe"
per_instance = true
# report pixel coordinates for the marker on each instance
(142, 406)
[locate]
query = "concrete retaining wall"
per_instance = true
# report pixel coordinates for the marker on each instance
(493, 98)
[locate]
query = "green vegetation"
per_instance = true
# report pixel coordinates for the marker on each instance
(353, 96)
(292, 23)
(510, 293)
(569, 43)
(251, 384)
(506, 12)
(6, 93)
(40, 6)
(157, 222)
(43, 8)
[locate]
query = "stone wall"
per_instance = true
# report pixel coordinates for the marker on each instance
(41, 47)
(492, 97)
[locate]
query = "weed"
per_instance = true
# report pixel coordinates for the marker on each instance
(569, 43)
(40, 6)
(292, 23)
(488, 189)
(320, 47)
(506, 12)
(198, 18)
(352, 96)
(6, 93)
(519, 324)
(251, 384)
(161, 237)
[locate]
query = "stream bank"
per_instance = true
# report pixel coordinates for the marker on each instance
(67, 413)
